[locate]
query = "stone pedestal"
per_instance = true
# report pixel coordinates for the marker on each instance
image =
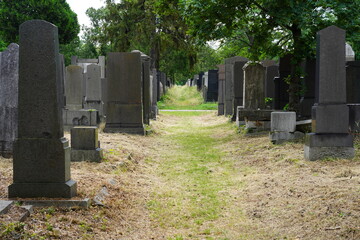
(85, 145)
(330, 114)
(124, 94)
(41, 153)
(283, 127)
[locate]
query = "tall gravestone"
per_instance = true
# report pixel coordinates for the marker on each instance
(124, 93)
(353, 82)
(9, 77)
(212, 86)
(154, 95)
(281, 94)
(74, 87)
(272, 71)
(93, 97)
(238, 85)
(229, 81)
(221, 89)
(254, 86)
(41, 153)
(330, 114)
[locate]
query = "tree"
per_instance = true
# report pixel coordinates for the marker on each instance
(273, 28)
(14, 13)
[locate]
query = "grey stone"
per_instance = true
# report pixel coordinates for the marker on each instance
(41, 164)
(330, 137)
(229, 88)
(84, 138)
(349, 53)
(282, 137)
(221, 89)
(95, 155)
(9, 77)
(254, 86)
(80, 117)
(93, 98)
(154, 95)
(283, 122)
(74, 85)
(354, 118)
(84, 203)
(124, 94)
(104, 94)
(5, 206)
(272, 71)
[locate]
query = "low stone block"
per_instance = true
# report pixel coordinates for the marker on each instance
(283, 122)
(316, 153)
(5, 205)
(87, 155)
(282, 137)
(84, 138)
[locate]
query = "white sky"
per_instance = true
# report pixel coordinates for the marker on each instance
(80, 7)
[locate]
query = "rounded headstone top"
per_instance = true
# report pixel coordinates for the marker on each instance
(38, 23)
(253, 64)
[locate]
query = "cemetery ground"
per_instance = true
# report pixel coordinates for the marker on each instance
(197, 177)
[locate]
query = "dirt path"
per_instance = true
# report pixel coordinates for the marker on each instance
(195, 177)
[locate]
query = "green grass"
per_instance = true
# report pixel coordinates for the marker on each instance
(195, 172)
(185, 98)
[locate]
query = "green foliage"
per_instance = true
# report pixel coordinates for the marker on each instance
(14, 13)
(182, 96)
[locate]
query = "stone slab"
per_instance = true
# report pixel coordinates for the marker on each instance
(87, 155)
(83, 203)
(326, 118)
(84, 138)
(5, 205)
(283, 122)
(282, 137)
(329, 140)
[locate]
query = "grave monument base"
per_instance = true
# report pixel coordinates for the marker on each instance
(47, 190)
(87, 155)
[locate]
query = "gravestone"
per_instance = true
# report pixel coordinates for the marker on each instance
(283, 127)
(330, 114)
(308, 98)
(146, 91)
(85, 145)
(353, 82)
(281, 94)
(9, 77)
(104, 94)
(124, 93)
(41, 153)
(159, 88)
(221, 89)
(93, 96)
(272, 71)
(199, 81)
(349, 53)
(229, 81)
(163, 83)
(154, 96)
(212, 86)
(238, 85)
(204, 84)
(74, 87)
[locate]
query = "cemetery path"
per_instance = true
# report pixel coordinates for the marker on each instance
(196, 177)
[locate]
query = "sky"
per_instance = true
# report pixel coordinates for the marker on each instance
(80, 7)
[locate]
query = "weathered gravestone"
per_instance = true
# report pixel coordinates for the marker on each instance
(9, 77)
(212, 86)
(330, 114)
(85, 145)
(229, 84)
(93, 96)
(74, 87)
(41, 153)
(124, 94)
(349, 53)
(221, 89)
(154, 95)
(238, 85)
(283, 127)
(253, 110)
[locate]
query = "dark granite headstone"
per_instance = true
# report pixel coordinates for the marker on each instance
(124, 93)
(330, 114)
(308, 98)
(9, 77)
(238, 86)
(272, 71)
(41, 153)
(221, 89)
(281, 94)
(353, 82)
(212, 86)
(229, 81)
(154, 95)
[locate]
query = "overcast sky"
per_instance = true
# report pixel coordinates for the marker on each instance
(80, 7)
